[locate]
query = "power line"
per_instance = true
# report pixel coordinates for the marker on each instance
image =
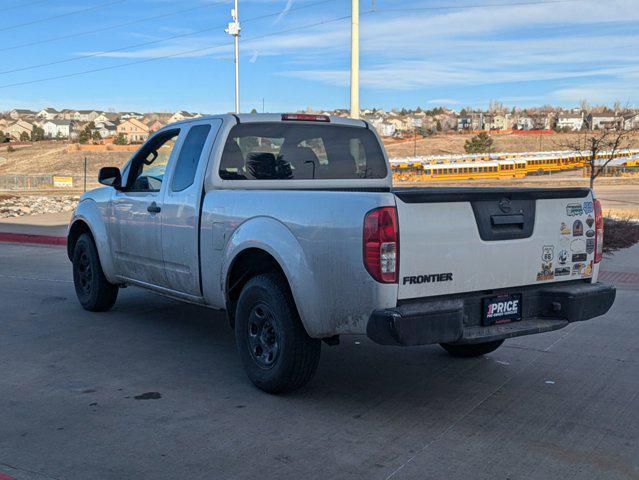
(177, 54)
(476, 5)
(152, 42)
(6, 9)
(111, 27)
(32, 22)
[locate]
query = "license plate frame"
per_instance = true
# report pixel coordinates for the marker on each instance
(503, 310)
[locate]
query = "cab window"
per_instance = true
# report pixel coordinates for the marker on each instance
(149, 165)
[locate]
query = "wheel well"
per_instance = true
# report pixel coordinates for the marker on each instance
(78, 228)
(246, 265)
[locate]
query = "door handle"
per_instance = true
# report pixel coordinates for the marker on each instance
(154, 208)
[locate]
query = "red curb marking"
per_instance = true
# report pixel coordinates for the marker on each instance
(620, 277)
(4, 476)
(25, 238)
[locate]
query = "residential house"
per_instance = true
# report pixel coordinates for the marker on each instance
(154, 126)
(525, 122)
(543, 121)
(105, 117)
(106, 129)
(464, 122)
(17, 129)
(570, 121)
(18, 113)
(66, 114)
(448, 121)
(499, 122)
(85, 115)
(58, 129)
(47, 113)
(181, 115)
(631, 121)
(134, 130)
(600, 121)
(127, 115)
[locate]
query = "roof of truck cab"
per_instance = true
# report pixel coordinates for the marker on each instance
(277, 117)
(268, 117)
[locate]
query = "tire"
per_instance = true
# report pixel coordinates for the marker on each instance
(93, 290)
(277, 353)
(472, 349)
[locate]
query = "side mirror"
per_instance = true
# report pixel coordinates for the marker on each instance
(111, 177)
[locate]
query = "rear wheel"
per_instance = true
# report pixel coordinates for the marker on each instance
(472, 349)
(277, 353)
(93, 290)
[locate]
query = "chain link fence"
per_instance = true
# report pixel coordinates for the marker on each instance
(10, 183)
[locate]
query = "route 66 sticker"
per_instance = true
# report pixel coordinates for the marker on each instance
(548, 253)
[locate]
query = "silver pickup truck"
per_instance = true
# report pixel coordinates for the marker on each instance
(290, 224)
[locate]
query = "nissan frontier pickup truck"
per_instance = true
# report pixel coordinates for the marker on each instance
(290, 224)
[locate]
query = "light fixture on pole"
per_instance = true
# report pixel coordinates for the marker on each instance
(234, 30)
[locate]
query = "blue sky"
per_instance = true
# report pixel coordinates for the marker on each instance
(528, 55)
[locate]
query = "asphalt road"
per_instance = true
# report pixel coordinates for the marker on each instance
(154, 389)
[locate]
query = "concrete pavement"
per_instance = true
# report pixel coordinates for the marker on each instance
(50, 228)
(154, 389)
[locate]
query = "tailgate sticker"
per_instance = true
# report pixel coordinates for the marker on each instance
(546, 272)
(564, 229)
(548, 253)
(562, 258)
(574, 210)
(577, 228)
(590, 245)
(588, 207)
(590, 221)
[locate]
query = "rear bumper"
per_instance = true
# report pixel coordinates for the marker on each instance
(457, 318)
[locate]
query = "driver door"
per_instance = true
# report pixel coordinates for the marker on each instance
(137, 212)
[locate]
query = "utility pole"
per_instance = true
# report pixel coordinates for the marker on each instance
(234, 30)
(355, 59)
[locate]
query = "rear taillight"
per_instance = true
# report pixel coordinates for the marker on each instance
(599, 231)
(381, 244)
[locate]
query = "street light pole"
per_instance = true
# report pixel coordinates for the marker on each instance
(234, 30)
(355, 59)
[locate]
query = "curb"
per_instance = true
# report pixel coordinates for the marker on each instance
(37, 239)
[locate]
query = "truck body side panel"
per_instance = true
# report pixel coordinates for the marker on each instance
(316, 236)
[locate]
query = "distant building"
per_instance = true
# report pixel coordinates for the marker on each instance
(58, 128)
(601, 121)
(499, 122)
(134, 130)
(106, 130)
(464, 123)
(47, 113)
(524, 122)
(18, 113)
(181, 115)
(17, 129)
(154, 126)
(570, 121)
(631, 121)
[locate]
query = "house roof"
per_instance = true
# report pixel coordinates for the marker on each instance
(59, 123)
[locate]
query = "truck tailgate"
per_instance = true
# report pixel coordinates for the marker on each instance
(456, 240)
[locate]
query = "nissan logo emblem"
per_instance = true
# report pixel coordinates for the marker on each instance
(505, 205)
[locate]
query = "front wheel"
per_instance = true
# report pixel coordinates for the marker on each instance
(277, 353)
(472, 349)
(93, 290)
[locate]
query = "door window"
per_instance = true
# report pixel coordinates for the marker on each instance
(149, 165)
(189, 158)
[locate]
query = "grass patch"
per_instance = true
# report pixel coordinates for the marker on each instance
(619, 233)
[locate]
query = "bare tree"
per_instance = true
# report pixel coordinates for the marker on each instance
(609, 141)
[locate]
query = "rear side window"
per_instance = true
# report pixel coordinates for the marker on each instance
(189, 158)
(285, 151)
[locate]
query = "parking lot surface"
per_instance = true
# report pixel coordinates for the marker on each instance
(154, 389)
